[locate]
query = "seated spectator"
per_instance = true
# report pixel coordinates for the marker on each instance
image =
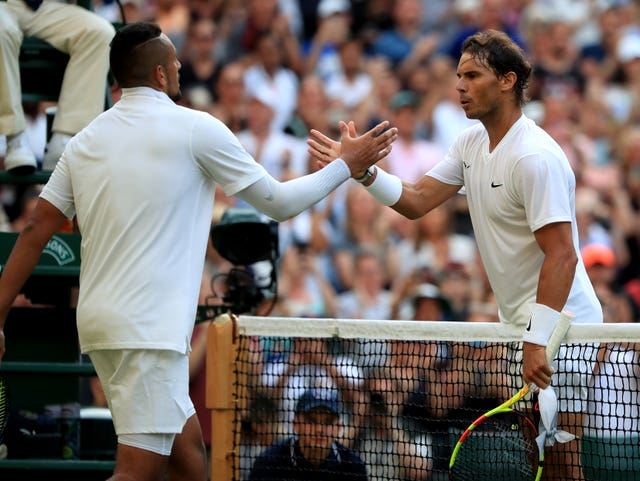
(306, 363)
(484, 15)
(359, 225)
(387, 443)
(246, 22)
(369, 297)
(173, 17)
(602, 268)
(200, 69)
(231, 105)
(313, 452)
(591, 216)
(411, 157)
(352, 85)
(82, 34)
(313, 109)
(269, 73)
(462, 381)
(283, 155)
(259, 431)
(321, 55)
(404, 44)
(418, 296)
(616, 378)
(434, 245)
(305, 291)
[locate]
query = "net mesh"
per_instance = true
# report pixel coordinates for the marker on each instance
(406, 390)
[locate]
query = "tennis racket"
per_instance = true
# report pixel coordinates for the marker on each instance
(501, 444)
(4, 405)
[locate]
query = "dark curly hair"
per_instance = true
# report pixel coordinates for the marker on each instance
(498, 52)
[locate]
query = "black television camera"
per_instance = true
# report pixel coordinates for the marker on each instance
(245, 240)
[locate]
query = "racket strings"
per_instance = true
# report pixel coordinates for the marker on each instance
(4, 405)
(501, 448)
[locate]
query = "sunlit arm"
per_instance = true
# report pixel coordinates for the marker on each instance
(45, 221)
(419, 198)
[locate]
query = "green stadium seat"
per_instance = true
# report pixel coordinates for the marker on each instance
(609, 458)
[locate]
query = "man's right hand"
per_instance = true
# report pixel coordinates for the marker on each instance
(535, 368)
(359, 152)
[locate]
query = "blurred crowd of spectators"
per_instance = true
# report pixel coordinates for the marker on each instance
(274, 69)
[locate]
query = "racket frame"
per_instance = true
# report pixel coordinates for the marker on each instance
(4, 405)
(559, 333)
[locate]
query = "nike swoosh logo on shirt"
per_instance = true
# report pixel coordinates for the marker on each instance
(529, 325)
(494, 185)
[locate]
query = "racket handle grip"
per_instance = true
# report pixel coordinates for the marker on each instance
(558, 334)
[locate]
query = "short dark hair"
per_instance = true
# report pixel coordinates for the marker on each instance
(130, 64)
(498, 52)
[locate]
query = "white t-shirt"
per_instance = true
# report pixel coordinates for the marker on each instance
(523, 185)
(141, 180)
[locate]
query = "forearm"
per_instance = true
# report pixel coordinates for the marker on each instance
(556, 278)
(21, 262)
(410, 200)
(283, 200)
(44, 222)
(554, 284)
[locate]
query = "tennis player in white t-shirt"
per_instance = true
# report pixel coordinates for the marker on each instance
(140, 180)
(520, 190)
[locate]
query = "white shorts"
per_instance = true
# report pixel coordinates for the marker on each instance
(147, 390)
(573, 370)
(158, 443)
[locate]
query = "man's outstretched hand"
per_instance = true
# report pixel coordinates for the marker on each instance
(359, 152)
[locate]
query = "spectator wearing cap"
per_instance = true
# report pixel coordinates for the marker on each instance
(305, 364)
(419, 297)
(602, 268)
(411, 156)
(313, 453)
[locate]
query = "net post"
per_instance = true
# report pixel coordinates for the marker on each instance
(222, 348)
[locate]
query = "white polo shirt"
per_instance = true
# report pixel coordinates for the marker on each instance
(523, 185)
(141, 180)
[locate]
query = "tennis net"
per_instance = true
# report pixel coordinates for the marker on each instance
(408, 389)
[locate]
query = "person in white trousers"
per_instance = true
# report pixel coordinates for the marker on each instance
(74, 30)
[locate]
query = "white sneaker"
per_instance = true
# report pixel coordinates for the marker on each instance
(19, 158)
(54, 149)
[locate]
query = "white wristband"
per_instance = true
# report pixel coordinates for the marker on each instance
(385, 187)
(542, 322)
